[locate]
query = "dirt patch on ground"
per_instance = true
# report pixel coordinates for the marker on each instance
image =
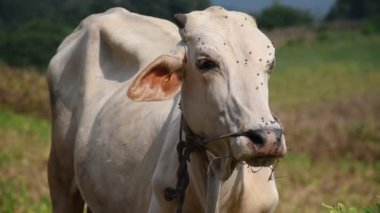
(25, 91)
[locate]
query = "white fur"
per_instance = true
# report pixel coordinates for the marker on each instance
(119, 155)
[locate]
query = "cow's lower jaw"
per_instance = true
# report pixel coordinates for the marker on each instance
(243, 149)
(222, 167)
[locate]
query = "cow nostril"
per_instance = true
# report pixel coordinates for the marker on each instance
(278, 139)
(262, 136)
(256, 136)
(278, 134)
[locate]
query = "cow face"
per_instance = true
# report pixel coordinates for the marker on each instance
(224, 63)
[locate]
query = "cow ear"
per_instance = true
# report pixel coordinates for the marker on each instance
(160, 80)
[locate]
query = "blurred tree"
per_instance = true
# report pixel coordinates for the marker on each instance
(31, 30)
(354, 9)
(283, 16)
(367, 11)
(33, 43)
(164, 8)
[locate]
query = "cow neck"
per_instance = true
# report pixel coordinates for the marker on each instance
(188, 143)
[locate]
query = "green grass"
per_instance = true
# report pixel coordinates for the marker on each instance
(24, 149)
(313, 72)
(318, 89)
(341, 208)
(25, 125)
(305, 185)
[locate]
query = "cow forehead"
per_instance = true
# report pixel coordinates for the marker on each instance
(218, 15)
(227, 32)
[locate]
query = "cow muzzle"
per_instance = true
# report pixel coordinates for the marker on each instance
(259, 147)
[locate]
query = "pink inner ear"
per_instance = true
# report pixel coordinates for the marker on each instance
(171, 83)
(158, 83)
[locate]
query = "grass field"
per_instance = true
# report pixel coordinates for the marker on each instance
(326, 92)
(24, 146)
(328, 95)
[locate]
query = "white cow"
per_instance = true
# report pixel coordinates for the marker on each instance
(116, 83)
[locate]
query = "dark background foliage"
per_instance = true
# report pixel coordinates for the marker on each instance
(283, 16)
(31, 30)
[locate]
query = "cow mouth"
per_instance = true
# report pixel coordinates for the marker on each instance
(266, 158)
(261, 161)
(257, 155)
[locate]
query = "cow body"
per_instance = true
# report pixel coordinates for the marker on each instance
(119, 155)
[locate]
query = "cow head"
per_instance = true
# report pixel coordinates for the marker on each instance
(222, 67)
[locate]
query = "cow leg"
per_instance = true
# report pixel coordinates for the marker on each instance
(64, 193)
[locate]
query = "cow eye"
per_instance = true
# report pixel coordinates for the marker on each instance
(205, 64)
